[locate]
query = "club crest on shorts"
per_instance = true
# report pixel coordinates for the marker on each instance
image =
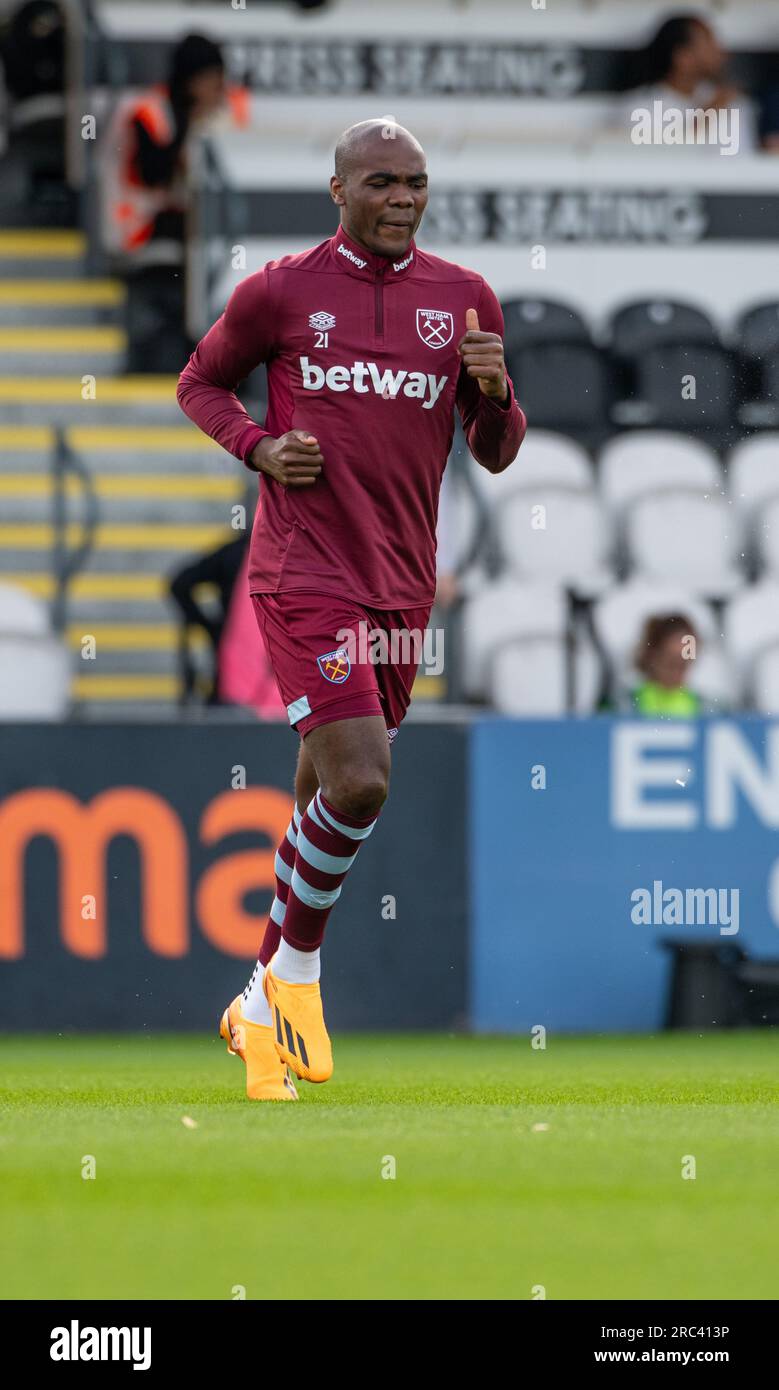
(435, 327)
(335, 666)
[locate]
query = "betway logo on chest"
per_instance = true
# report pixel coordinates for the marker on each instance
(363, 377)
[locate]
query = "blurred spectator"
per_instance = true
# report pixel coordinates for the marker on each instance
(238, 678)
(684, 68)
(768, 121)
(447, 584)
(664, 656)
(244, 674)
(144, 192)
(33, 60)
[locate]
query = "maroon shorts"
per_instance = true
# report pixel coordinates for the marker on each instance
(336, 659)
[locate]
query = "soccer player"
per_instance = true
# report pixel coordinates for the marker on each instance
(370, 345)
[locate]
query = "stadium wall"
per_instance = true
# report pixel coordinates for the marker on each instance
(498, 890)
(135, 879)
(570, 819)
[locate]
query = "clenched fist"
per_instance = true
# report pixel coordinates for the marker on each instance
(482, 357)
(293, 460)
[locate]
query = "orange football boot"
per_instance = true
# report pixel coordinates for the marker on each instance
(299, 1027)
(267, 1077)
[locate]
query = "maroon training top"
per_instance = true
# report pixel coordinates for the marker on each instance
(361, 352)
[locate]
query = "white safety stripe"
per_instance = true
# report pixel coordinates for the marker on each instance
(327, 863)
(351, 831)
(278, 908)
(298, 709)
(313, 897)
(282, 870)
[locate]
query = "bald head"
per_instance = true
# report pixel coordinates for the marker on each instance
(365, 139)
(380, 185)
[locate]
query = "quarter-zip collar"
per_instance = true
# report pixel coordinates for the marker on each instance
(366, 265)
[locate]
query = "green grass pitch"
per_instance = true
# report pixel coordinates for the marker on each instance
(288, 1200)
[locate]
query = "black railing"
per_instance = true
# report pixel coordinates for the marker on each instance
(66, 562)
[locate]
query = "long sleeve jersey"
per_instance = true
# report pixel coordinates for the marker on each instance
(361, 352)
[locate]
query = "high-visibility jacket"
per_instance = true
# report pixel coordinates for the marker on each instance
(129, 206)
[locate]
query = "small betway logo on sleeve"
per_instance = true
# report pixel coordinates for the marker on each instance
(76, 1343)
(363, 377)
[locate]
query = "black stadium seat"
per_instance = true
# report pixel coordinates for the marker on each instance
(564, 386)
(531, 322)
(658, 323)
(758, 332)
(658, 387)
(758, 341)
(656, 345)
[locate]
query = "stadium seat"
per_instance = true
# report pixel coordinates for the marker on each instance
(539, 322)
(765, 681)
(34, 664)
(758, 331)
(767, 538)
(660, 344)
(687, 538)
(517, 652)
(545, 460)
(532, 680)
(758, 342)
(619, 616)
(557, 534)
(646, 324)
(661, 375)
(567, 387)
(634, 464)
(751, 627)
(506, 613)
(753, 478)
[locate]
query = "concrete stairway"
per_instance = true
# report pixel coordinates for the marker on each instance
(163, 491)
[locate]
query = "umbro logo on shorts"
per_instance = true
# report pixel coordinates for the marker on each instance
(363, 377)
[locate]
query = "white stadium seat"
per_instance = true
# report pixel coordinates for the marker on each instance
(765, 681)
(502, 613)
(752, 644)
(571, 545)
(751, 625)
(650, 460)
(514, 652)
(34, 664)
(544, 459)
(753, 477)
(767, 538)
(687, 538)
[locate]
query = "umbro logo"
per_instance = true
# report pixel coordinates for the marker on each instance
(321, 320)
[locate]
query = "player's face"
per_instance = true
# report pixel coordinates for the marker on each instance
(385, 196)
